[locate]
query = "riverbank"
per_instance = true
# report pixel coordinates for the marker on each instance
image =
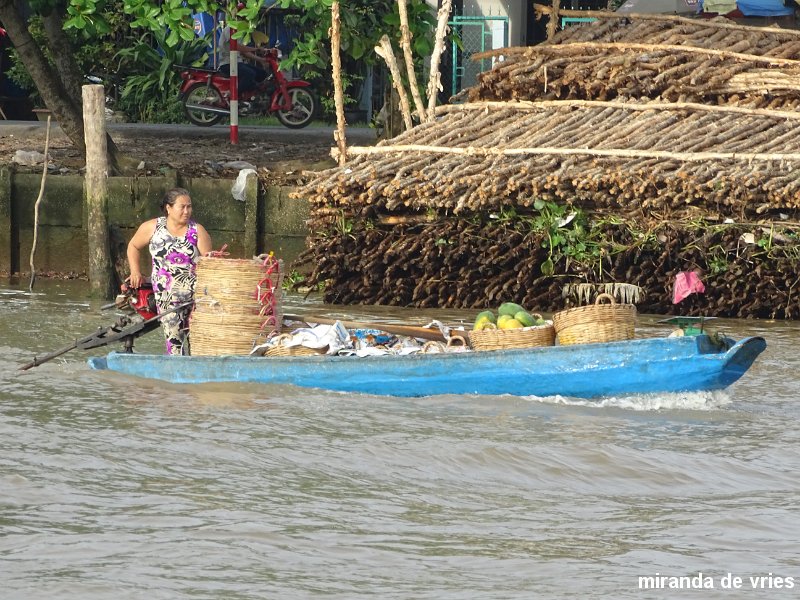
(262, 218)
(200, 159)
(279, 154)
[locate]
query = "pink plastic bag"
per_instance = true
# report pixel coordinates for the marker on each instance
(686, 283)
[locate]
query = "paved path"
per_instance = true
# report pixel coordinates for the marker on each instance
(252, 133)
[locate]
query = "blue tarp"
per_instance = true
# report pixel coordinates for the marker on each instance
(764, 8)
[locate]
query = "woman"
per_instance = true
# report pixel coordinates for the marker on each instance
(175, 241)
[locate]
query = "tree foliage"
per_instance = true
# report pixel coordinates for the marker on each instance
(363, 22)
(95, 53)
(92, 25)
(150, 90)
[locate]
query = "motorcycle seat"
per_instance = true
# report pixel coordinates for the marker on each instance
(190, 68)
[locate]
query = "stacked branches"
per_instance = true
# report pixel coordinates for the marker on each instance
(452, 213)
(604, 156)
(464, 263)
(683, 61)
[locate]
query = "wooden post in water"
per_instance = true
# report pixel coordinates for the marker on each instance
(95, 191)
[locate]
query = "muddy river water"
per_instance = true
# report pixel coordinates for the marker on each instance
(114, 487)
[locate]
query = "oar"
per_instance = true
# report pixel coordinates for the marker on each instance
(424, 333)
(104, 336)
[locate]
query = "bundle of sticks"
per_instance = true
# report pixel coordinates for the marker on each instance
(477, 157)
(680, 60)
(462, 264)
(693, 161)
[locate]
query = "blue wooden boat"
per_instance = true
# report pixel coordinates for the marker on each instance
(669, 364)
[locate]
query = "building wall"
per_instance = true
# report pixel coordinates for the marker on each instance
(515, 10)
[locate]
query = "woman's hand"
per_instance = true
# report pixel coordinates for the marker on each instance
(135, 280)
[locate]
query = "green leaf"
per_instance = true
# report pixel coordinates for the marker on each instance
(172, 38)
(422, 46)
(186, 34)
(357, 48)
(78, 22)
(102, 26)
(547, 267)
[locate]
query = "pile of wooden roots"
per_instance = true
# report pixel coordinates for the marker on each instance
(677, 60)
(462, 264)
(643, 129)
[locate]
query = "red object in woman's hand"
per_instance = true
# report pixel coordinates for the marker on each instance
(218, 253)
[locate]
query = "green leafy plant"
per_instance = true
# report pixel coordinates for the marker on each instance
(363, 22)
(150, 93)
(95, 48)
(717, 260)
(566, 235)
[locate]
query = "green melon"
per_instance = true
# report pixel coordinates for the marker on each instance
(525, 318)
(486, 314)
(509, 308)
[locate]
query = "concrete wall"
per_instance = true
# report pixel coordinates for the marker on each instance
(515, 10)
(267, 220)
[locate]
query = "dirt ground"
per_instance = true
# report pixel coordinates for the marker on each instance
(280, 155)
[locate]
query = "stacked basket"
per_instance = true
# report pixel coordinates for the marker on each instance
(506, 339)
(229, 314)
(595, 323)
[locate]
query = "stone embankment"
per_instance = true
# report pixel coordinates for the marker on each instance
(162, 156)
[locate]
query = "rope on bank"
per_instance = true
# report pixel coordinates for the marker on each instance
(38, 202)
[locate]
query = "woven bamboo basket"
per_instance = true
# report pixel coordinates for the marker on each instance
(595, 323)
(455, 343)
(281, 349)
(229, 317)
(505, 339)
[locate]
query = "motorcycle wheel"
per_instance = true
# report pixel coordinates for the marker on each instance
(200, 93)
(304, 107)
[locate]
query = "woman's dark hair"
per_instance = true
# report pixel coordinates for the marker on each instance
(171, 196)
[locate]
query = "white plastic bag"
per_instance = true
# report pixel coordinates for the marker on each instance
(237, 190)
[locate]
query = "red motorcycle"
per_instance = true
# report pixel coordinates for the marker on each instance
(206, 95)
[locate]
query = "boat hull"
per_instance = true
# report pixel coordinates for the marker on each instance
(586, 371)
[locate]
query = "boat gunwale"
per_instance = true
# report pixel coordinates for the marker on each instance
(703, 344)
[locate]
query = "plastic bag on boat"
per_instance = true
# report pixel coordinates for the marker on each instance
(335, 337)
(371, 337)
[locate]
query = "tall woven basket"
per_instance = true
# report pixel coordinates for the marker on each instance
(596, 323)
(237, 302)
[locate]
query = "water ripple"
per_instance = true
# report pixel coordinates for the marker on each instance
(119, 487)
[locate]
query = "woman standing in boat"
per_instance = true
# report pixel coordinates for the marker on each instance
(175, 242)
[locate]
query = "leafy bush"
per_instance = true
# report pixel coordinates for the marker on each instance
(150, 92)
(363, 22)
(95, 48)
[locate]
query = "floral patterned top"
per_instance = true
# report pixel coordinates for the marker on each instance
(174, 261)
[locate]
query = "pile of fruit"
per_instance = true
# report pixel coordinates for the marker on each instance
(509, 316)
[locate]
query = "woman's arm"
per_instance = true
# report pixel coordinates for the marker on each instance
(203, 240)
(138, 242)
